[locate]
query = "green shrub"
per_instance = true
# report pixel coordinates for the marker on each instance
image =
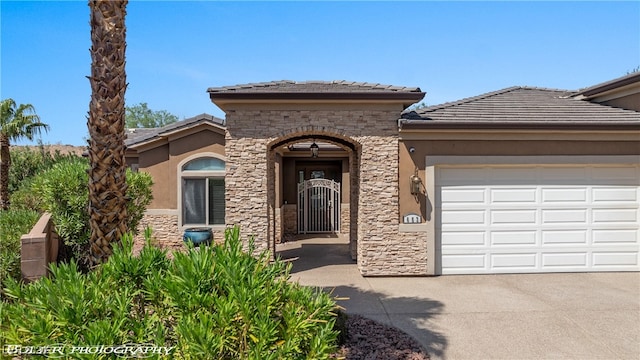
(28, 162)
(63, 191)
(214, 302)
(13, 224)
(140, 195)
(25, 198)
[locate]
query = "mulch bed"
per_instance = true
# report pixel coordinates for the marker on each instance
(370, 340)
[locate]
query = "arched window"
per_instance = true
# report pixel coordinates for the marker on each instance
(201, 164)
(203, 197)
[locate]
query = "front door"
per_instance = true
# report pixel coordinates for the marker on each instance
(318, 202)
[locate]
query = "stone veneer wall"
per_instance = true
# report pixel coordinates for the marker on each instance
(278, 228)
(290, 219)
(345, 218)
(250, 179)
(166, 232)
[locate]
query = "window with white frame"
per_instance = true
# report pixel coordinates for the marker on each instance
(203, 198)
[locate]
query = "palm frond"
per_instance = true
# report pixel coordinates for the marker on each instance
(20, 122)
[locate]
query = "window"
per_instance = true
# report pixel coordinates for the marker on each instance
(317, 174)
(203, 192)
(201, 164)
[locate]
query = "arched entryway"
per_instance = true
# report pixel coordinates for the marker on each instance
(313, 187)
(263, 119)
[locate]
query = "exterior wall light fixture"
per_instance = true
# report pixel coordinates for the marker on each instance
(415, 183)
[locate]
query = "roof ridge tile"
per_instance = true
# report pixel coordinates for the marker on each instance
(310, 86)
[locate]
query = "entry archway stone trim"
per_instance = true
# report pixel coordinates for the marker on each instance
(370, 132)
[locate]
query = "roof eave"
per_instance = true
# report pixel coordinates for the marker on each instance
(428, 125)
(404, 97)
(147, 143)
(609, 85)
(217, 127)
(165, 137)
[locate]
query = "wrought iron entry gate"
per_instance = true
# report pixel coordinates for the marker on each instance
(318, 206)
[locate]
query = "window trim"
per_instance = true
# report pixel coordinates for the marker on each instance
(194, 174)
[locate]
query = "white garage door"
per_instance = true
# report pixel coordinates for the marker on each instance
(526, 219)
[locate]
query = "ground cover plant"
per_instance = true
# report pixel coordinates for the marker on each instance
(217, 302)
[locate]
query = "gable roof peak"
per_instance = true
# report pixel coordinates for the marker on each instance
(143, 135)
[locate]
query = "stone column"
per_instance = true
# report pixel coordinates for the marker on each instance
(246, 180)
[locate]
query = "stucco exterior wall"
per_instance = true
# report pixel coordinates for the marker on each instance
(155, 162)
(372, 129)
(162, 162)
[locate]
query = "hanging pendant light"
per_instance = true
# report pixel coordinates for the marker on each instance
(314, 149)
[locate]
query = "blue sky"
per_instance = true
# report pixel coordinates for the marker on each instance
(176, 50)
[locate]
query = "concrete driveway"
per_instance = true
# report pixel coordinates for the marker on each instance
(537, 316)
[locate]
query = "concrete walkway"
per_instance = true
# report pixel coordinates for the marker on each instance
(538, 316)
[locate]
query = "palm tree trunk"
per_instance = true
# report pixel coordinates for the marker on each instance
(107, 182)
(5, 164)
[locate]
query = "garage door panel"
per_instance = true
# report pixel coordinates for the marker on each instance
(564, 216)
(615, 259)
(564, 195)
(615, 215)
(615, 236)
(473, 217)
(467, 196)
(615, 194)
(565, 260)
(513, 195)
(523, 217)
(513, 238)
(513, 261)
(567, 237)
(464, 261)
(501, 219)
(454, 239)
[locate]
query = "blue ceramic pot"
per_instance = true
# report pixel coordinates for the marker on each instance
(198, 236)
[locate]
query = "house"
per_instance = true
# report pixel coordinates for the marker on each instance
(519, 180)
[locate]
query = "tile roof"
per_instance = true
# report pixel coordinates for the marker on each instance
(336, 86)
(519, 106)
(140, 135)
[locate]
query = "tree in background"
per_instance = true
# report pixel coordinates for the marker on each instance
(140, 116)
(107, 180)
(15, 123)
